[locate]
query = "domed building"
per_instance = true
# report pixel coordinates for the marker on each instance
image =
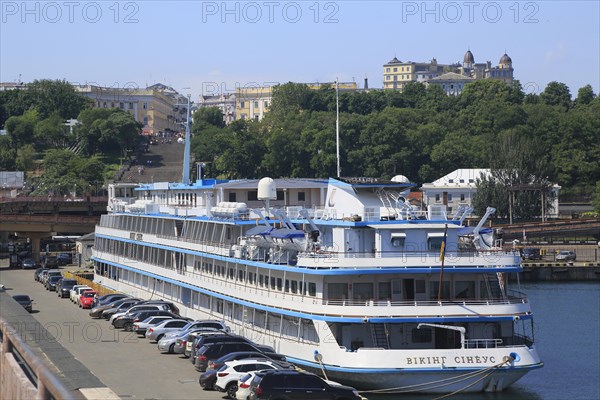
(452, 77)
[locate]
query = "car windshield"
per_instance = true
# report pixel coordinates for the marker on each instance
(91, 294)
(21, 297)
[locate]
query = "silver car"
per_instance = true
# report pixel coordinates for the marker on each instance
(141, 327)
(157, 332)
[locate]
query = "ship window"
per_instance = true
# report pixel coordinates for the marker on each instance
(437, 197)
(435, 287)
(241, 275)
(287, 286)
(462, 197)
(449, 196)
(312, 289)
(231, 273)
(273, 282)
(301, 196)
(362, 291)
(464, 289)
(252, 195)
(294, 286)
(423, 335)
(385, 290)
(398, 239)
(279, 283)
(280, 195)
(261, 279)
(232, 197)
(337, 291)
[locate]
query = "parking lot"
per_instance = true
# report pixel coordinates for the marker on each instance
(131, 366)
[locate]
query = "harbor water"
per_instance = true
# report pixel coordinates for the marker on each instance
(567, 333)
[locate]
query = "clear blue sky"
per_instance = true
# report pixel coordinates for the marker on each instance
(206, 45)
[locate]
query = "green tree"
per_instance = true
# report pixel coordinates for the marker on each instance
(26, 158)
(50, 133)
(585, 95)
(556, 94)
(56, 97)
(21, 129)
(7, 154)
(207, 116)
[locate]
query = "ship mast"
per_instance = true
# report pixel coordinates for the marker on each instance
(337, 124)
(186, 155)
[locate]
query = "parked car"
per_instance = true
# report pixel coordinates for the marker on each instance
(126, 321)
(168, 342)
(44, 276)
(242, 355)
(141, 326)
(76, 292)
(51, 282)
(64, 287)
(244, 386)
(25, 301)
(123, 306)
(204, 339)
(28, 263)
(566, 255)
(138, 307)
(51, 262)
(51, 273)
(109, 298)
(97, 311)
(288, 384)
(157, 332)
(215, 350)
(531, 253)
(209, 323)
(208, 379)
(86, 300)
(37, 273)
(229, 374)
(186, 338)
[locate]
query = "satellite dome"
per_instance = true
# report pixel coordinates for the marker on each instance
(267, 190)
(400, 179)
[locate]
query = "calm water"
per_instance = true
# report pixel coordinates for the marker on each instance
(567, 333)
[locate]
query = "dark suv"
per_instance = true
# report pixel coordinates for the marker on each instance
(288, 384)
(214, 351)
(531, 253)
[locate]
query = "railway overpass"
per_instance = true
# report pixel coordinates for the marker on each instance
(37, 218)
(569, 230)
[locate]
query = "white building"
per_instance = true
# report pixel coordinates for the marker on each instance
(458, 188)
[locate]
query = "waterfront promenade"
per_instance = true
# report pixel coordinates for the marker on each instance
(132, 367)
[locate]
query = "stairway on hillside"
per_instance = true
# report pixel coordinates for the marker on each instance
(161, 163)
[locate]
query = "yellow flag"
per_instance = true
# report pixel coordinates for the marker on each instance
(442, 250)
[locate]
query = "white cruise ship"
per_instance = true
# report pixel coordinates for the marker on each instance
(340, 275)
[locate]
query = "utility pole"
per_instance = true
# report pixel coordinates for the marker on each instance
(337, 125)
(186, 155)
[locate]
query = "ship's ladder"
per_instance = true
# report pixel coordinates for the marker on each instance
(380, 335)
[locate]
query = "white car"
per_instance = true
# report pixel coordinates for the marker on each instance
(139, 307)
(76, 292)
(157, 332)
(230, 373)
(141, 327)
(243, 391)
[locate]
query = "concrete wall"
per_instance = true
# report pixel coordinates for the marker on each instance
(14, 384)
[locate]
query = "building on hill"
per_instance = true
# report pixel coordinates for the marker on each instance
(451, 83)
(159, 108)
(397, 74)
(253, 102)
(224, 102)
